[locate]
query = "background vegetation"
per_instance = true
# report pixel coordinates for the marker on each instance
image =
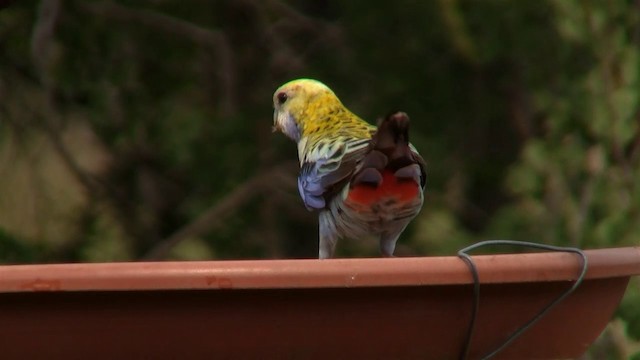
(141, 130)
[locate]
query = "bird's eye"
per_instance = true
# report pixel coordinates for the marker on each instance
(282, 97)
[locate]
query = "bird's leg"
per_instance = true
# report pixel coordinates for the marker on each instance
(327, 247)
(388, 246)
(327, 234)
(388, 240)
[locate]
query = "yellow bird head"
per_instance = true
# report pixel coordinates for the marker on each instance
(299, 104)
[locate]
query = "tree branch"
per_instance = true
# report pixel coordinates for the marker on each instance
(212, 39)
(42, 57)
(227, 206)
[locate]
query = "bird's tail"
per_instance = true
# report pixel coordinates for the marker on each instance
(390, 153)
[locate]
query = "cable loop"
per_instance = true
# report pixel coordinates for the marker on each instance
(463, 254)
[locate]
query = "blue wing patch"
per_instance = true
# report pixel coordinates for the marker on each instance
(319, 179)
(310, 186)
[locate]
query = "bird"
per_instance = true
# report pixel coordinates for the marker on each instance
(363, 180)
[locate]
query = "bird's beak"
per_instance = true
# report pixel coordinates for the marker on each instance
(276, 124)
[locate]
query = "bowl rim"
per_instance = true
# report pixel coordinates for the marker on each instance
(312, 273)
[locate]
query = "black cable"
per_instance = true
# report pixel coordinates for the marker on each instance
(474, 306)
(476, 290)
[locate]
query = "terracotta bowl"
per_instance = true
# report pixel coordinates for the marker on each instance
(400, 308)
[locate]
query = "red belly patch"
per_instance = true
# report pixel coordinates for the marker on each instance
(402, 190)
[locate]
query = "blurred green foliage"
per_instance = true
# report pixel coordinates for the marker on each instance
(122, 123)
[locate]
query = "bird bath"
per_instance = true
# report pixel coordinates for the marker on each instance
(401, 308)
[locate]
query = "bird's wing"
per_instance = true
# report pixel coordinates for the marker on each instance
(423, 165)
(327, 168)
